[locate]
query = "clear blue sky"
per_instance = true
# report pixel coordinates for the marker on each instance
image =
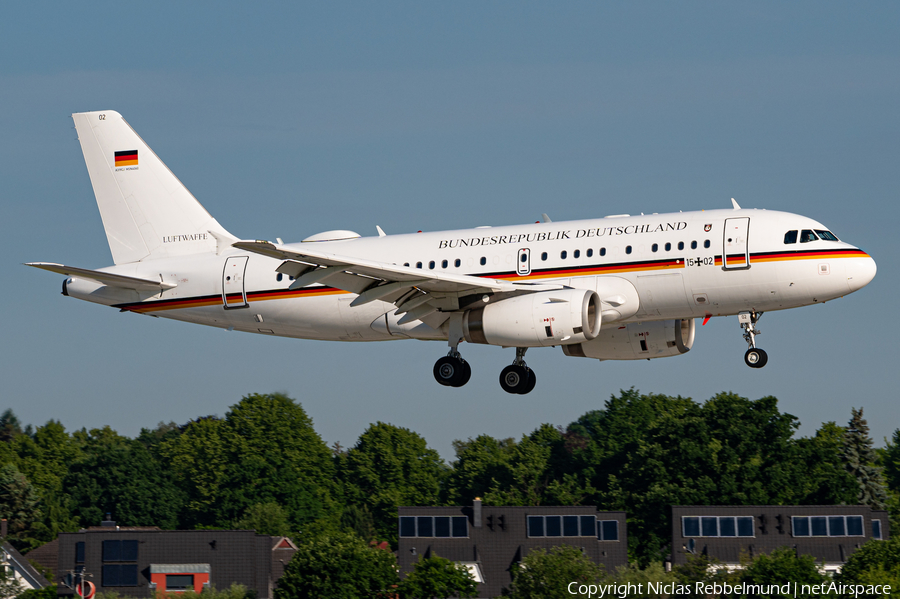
(286, 120)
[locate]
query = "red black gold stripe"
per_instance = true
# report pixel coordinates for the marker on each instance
(547, 273)
(127, 158)
(807, 255)
(233, 298)
(594, 269)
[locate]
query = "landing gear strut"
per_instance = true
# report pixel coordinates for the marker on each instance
(518, 378)
(755, 357)
(452, 370)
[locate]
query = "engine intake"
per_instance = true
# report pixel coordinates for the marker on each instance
(536, 319)
(638, 341)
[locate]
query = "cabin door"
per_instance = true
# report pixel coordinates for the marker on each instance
(736, 249)
(234, 294)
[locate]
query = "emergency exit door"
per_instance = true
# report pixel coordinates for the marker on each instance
(736, 249)
(523, 263)
(234, 294)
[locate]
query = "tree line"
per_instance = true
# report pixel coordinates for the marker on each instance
(264, 466)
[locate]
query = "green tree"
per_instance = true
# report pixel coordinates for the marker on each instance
(388, 467)
(359, 519)
(10, 427)
(275, 454)
(9, 586)
(890, 461)
(824, 479)
(198, 460)
(266, 519)
(48, 592)
(481, 464)
(874, 560)
(436, 577)
(19, 504)
(547, 573)
(860, 458)
(782, 566)
(264, 450)
(643, 453)
(539, 471)
(45, 457)
(641, 577)
(118, 475)
(338, 566)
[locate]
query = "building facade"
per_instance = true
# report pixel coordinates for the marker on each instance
(829, 533)
(490, 540)
(139, 562)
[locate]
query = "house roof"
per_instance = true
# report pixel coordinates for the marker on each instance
(25, 569)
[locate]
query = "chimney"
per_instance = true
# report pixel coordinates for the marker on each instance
(476, 512)
(109, 522)
(4, 528)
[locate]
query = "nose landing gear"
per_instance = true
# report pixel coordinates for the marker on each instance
(754, 357)
(518, 378)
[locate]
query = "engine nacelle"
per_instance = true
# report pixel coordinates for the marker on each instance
(536, 319)
(638, 341)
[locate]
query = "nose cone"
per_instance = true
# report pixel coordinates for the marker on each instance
(861, 273)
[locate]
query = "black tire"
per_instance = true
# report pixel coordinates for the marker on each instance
(466, 374)
(529, 383)
(447, 371)
(513, 378)
(755, 358)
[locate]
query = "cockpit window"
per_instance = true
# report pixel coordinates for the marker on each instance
(826, 235)
(807, 235)
(790, 237)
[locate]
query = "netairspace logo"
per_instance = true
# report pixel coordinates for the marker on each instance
(622, 591)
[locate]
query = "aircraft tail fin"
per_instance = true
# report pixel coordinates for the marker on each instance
(147, 212)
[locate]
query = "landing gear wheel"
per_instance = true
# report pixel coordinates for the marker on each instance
(529, 384)
(517, 379)
(452, 372)
(466, 373)
(755, 357)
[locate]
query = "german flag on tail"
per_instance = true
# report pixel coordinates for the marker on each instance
(126, 158)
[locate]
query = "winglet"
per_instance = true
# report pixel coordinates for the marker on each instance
(735, 204)
(381, 233)
(545, 217)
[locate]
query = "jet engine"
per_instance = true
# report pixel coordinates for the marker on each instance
(536, 319)
(638, 341)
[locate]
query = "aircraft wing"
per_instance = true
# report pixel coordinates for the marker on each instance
(103, 278)
(416, 292)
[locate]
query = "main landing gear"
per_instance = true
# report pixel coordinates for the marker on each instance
(452, 370)
(518, 377)
(755, 357)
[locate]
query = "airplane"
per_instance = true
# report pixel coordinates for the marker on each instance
(614, 288)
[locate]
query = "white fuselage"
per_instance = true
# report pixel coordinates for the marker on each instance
(660, 266)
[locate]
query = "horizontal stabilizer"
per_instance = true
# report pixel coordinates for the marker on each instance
(103, 278)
